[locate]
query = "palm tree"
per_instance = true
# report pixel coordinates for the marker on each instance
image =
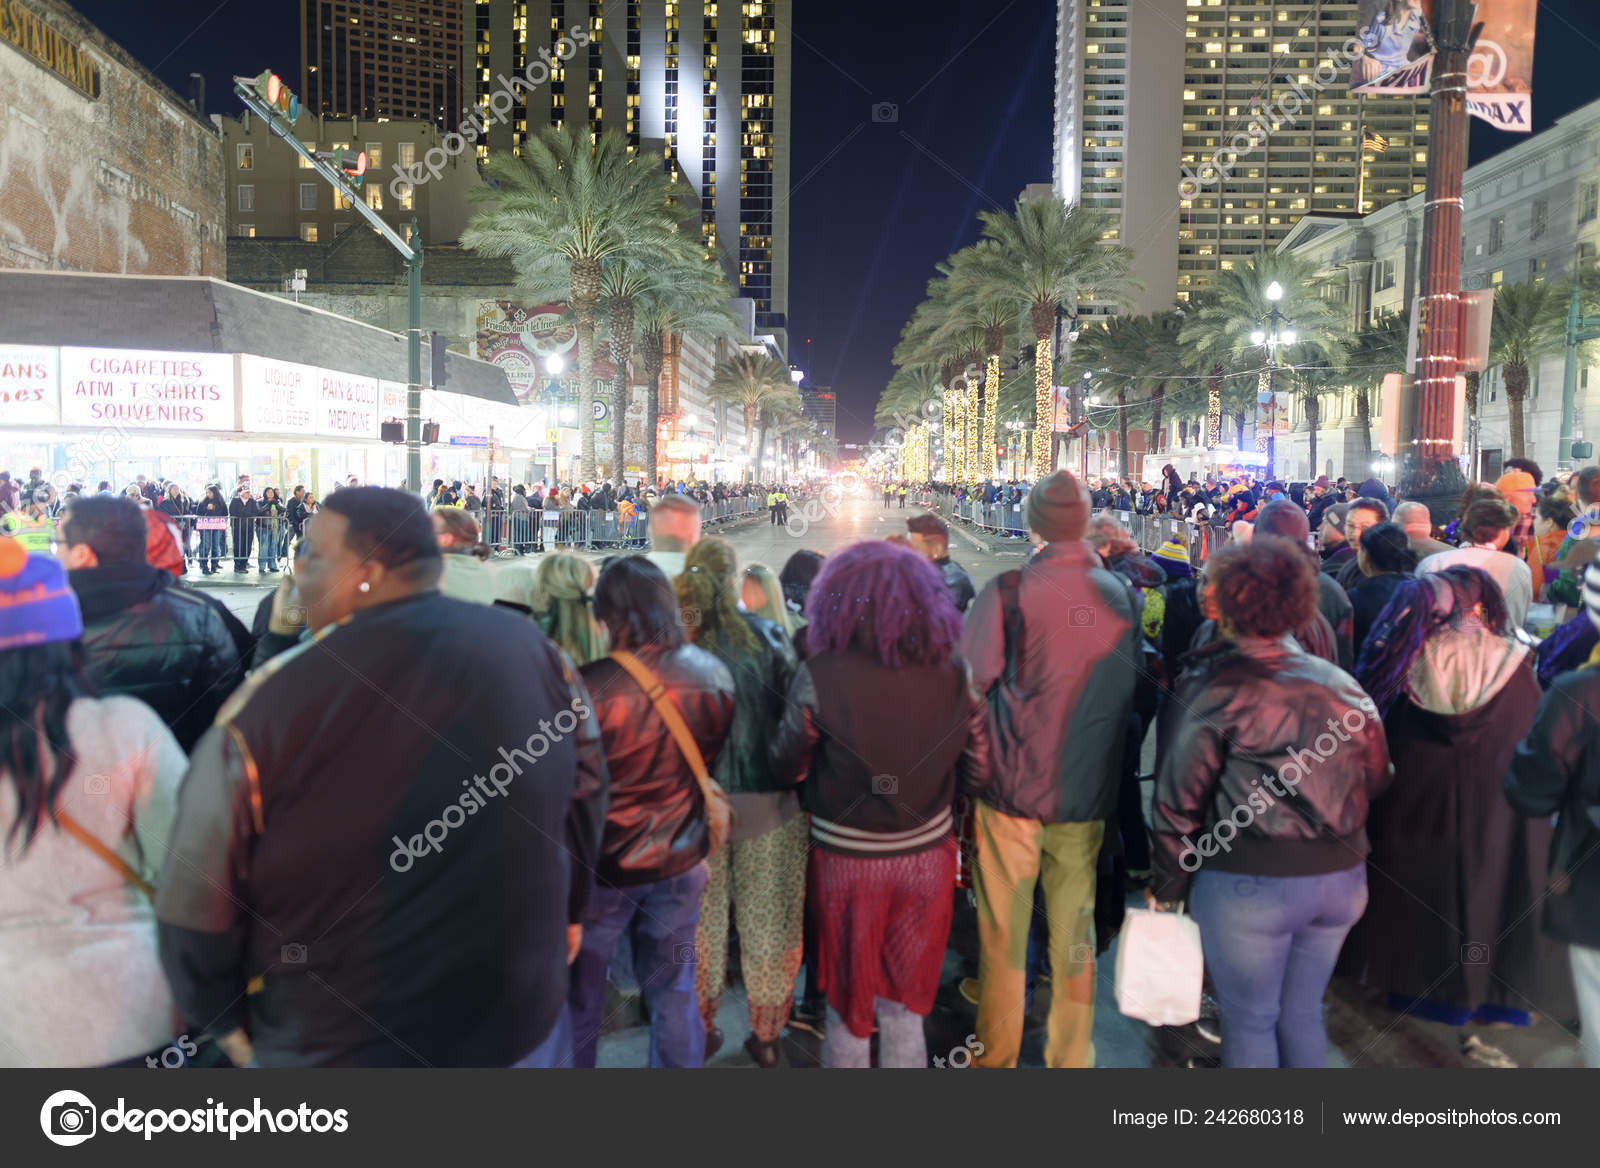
(564, 208)
(687, 298)
(752, 380)
(1377, 349)
(1047, 255)
(989, 310)
(1222, 329)
(1529, 320)
(779, 414)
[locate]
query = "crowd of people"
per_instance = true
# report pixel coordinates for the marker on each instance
(295, 845)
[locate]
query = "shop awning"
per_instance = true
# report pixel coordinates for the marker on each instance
(197, 314)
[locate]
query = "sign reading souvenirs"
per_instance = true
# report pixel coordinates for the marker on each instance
(27, 32)
(28, 386)
(161, 391)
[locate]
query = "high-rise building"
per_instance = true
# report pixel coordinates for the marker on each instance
(1209, 127)
(706, 82)
(1115, 141)
(1271, 132)
(374, 59)
(822, 406)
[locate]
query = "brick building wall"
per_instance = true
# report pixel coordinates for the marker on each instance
(130, 182)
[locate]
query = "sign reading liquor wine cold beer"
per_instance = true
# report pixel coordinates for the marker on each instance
(28, 386)
(142, 388)
(26, 31)
(277, 397)
(347, 406)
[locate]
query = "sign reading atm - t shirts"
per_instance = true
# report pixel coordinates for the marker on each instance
(347, 406)
(149, 389)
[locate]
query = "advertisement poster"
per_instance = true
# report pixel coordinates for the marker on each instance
(160, 390)
(1396, 57)
(521, 340)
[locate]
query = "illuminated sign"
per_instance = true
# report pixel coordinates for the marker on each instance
(28, 386)
(28, 33)
(347, 406)
(158, 390)
(277, 397)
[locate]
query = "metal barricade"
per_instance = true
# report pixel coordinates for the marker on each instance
(264, 542)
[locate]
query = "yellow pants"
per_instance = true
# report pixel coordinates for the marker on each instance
(1014, 855)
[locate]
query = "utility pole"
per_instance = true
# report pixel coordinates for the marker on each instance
(1580, 328)
(270, 100)
(1428, 404)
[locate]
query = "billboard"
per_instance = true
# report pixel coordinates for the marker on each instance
(1394, 55)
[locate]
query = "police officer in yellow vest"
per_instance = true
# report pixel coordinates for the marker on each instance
(772, 506)
(783, 505)
(902, 496)
(31, 525)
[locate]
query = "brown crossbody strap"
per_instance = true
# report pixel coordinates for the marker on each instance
(85, 837)
(657, 693)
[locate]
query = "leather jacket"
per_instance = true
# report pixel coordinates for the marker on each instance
(879, 753)
(1284, 746)
(164, 645)
(656, 823)
(957, 581)
(760, 685)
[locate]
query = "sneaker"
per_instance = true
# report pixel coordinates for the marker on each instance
(1477, 1050)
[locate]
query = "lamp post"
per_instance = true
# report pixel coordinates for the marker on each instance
(1277, 333)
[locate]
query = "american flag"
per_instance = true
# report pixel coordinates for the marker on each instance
(1374, 142)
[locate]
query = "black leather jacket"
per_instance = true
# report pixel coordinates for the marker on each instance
(656, 823)
(162, 644)
(1556, 771)
(1284, 746)
(760, 684)
(957, 581)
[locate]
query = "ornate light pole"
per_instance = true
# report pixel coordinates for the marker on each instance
(1270, 338)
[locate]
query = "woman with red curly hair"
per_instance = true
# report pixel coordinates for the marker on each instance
(1268, 757)
(879, 729)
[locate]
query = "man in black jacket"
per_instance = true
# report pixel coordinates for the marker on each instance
(315, 847)
(242, 510)
(161, 644)
(931, 536)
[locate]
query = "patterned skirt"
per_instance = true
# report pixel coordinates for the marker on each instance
(882, 926)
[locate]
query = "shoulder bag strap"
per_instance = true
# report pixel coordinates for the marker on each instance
(1010, 586)
(657, 693)
(85, 837)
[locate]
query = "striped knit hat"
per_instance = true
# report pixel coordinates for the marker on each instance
(36, 605)
(1174, 559)
(1591, 591)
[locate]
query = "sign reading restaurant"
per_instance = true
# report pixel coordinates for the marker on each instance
(27, 32)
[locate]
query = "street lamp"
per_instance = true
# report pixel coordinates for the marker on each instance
(1276, 334)
(555, 364)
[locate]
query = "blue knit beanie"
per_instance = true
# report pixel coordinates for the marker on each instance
(36, 604)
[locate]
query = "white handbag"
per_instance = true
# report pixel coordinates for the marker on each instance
(1159, 968)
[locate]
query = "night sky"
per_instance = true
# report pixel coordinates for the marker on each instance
(874, 204)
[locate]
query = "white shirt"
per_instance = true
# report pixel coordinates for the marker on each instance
(1513, 576)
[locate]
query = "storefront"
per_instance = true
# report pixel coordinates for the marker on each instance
(197, 380)
(109, 415)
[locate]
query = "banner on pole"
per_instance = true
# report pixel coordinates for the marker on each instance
(1395, 57)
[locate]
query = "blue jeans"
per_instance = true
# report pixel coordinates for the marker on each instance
(659, 920)
(1270, 945)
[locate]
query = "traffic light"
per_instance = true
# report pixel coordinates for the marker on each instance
(351, 163)
(269, 87)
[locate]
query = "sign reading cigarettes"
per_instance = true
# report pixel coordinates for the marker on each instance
(347, 406)
(28, 386)
(278, 397)
(134, 387)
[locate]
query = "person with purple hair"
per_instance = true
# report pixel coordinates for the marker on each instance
(880, 728)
